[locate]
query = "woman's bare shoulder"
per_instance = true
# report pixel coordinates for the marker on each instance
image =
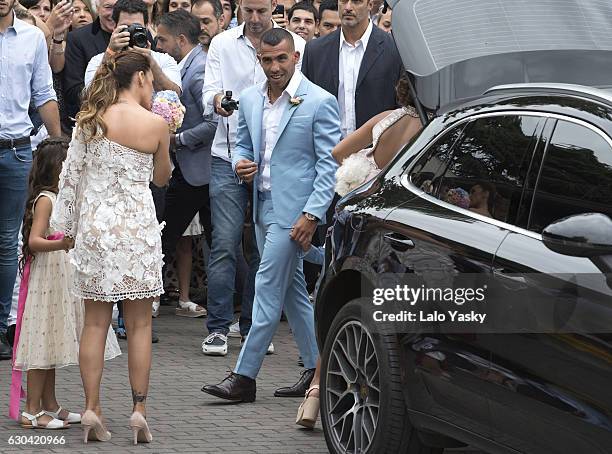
(155, 122)
(142, 120)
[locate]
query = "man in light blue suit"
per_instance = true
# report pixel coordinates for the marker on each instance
(287, 129)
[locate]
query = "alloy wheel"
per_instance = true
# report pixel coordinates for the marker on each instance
(352, 390)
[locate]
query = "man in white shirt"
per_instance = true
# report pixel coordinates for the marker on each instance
(166, 74)
(25, 76)
(231, 65)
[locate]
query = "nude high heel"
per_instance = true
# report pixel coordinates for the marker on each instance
(309, 409)
(140, 428)
(90, 421)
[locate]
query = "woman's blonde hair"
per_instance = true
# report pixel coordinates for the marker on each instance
(113, 76)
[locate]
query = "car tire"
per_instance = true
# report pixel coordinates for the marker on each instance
(351, 389)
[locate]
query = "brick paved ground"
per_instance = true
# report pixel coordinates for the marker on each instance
(182, 418)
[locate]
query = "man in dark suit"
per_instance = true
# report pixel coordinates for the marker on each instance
(358, 63)
(81, 46)
(178, 33)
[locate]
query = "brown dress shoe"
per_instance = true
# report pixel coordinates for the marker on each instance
(234, 387)
(300, 388)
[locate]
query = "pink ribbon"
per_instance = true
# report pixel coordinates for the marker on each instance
(17, 391)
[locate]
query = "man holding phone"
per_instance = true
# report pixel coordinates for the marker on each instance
(231, 65)
(278, 15)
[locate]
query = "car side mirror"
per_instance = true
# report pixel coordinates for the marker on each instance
(581, 235)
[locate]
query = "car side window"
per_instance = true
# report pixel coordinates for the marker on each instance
(488, 167)
(430, 167)
(576, 176)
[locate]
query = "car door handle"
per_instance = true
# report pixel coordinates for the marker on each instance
(513, 282)
(399, 241)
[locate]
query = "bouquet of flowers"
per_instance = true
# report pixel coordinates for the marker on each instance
(167, 105)
(355, 171)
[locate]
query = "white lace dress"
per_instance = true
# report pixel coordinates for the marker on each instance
(105, 204)
(361, 166)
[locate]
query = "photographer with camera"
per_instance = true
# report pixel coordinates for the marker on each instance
(131, 17)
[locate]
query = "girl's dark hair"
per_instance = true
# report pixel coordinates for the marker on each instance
(402, 90)
(44, 176)
(113, 76)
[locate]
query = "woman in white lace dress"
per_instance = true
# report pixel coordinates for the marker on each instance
(369, 149)
(105, 205)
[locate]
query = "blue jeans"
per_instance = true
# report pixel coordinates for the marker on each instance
(14, 169)
(228, 203)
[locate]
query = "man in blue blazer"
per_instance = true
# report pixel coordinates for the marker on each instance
(287, 129)
(178, 35)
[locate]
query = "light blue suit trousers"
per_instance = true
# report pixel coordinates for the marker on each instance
(279, 284)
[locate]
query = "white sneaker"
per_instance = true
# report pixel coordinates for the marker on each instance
(234, 330)
(215, 344)
(155, 308)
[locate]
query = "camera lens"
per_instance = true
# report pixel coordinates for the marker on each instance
(140, 40)
(138, 36)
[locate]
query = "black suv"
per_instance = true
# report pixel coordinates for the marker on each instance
(542, 155)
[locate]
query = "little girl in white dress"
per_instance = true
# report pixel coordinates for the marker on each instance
(50, 318)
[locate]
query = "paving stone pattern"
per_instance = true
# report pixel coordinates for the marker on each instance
(181, 417)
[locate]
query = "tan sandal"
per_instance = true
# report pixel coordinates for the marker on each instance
(309, 409)
(54, 424)
(190, 309)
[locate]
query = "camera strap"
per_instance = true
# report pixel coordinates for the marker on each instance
(227, 138)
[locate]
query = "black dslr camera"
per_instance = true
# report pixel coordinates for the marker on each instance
(227, 103)
(138, 36)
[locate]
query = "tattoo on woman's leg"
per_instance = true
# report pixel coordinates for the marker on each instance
(138, 398)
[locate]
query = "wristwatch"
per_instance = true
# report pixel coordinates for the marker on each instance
(177, 140)
(311, 217)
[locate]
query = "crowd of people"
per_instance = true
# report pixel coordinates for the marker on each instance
(286, 104)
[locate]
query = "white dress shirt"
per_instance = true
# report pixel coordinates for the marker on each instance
(167, 64)
(25, 75)
(181, 64)
(232, 65)
(348, 67)
(272, 115)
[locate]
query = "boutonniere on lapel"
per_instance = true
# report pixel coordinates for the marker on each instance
(295, 101)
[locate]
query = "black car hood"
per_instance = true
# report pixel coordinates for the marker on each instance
(460, 48)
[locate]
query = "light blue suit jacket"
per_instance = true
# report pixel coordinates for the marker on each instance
(302, 169)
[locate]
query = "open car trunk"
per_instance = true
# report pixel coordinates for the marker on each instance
(458, 49)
